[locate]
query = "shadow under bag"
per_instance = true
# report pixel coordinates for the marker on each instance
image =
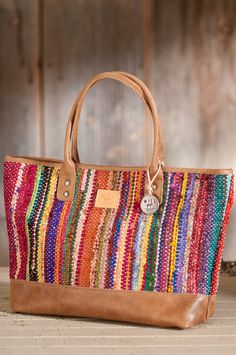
(135, 244)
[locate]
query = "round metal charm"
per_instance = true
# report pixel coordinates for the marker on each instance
(149, 204)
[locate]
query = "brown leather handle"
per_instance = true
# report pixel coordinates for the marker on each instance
(68, 170)
(139, 87)
(142, 90)
(75, 154)
(148, 92)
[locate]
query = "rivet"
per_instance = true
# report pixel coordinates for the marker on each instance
(66, 193)
(67, 182)
(154, 187)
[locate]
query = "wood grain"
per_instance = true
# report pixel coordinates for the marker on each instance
(17, 60)
(61, 335)
(79, 43)
(185, 50)
(19, 127)
(193, 80)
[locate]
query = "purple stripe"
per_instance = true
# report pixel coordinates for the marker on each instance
(182, 233)
(51, 240)
(161, 273)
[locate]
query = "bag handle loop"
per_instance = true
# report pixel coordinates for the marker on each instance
(142, 90)
(67, 174)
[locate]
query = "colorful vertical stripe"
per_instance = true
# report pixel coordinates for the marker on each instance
(176, 250)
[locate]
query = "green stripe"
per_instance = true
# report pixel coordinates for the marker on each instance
(29, 216)
(219, 210)
(79, 209)
(65, 242)
(152, 247)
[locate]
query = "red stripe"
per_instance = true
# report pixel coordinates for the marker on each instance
(24, 197)
(11, 171)
(207, 194)
(91, 223)
(198, 225)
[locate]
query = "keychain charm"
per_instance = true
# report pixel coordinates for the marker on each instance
(150, 203)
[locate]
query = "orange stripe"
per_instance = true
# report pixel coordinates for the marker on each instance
(135, 216)
(72, 232)
(90, 233)
(60, 232)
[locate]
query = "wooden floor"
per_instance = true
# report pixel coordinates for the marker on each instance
(25, 334)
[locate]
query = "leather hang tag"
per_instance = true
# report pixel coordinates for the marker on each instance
(107, 199)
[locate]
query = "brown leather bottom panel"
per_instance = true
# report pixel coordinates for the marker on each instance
(145, 307)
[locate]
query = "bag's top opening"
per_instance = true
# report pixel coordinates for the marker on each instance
(57, 162)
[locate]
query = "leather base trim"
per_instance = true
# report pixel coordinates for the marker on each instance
(145, 307)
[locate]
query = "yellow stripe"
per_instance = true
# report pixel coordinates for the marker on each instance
(29, 210)
(43, 225)
(175, 234)
(129, 259)
(193, 205)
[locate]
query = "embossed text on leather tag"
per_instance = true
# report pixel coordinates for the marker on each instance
(107, 199)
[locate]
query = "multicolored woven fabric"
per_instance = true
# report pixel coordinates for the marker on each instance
(178, 249)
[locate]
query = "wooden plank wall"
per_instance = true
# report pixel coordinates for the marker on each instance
(194, 83)
(19, 92)
(185, 50)
(78, 45)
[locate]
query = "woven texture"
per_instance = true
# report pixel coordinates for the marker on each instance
(176, 250)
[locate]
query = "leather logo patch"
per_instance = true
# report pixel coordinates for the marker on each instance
(107, 199)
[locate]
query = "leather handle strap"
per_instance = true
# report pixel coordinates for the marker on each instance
(68, 170)
(148, 92)
(75, 155)
(142, 90)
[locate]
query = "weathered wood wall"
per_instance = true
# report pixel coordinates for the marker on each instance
(185, 50)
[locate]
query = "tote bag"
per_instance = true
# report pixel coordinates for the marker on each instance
(134, 244)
